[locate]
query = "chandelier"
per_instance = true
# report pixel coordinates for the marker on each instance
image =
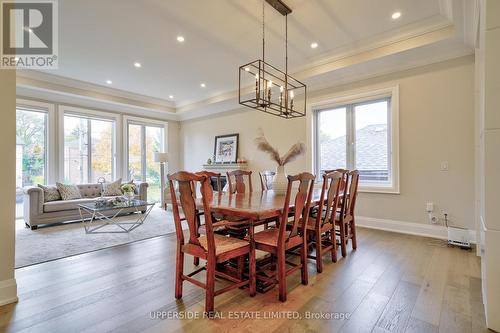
(266, 88)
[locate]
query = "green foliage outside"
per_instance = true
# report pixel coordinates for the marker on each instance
(30, 135)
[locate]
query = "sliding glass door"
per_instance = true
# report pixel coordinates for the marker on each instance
(143, 141)
(31, 152)
(89, 152)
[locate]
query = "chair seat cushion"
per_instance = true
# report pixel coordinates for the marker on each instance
(267, 237)
(223, 244)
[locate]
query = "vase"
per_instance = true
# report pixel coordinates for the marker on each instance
(280, 181)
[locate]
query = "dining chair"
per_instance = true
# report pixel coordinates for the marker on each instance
(344, 173)
(211, 247)
(277, 241)
(345, 219)
(266, 179)
(321, 226)
(238, 185)
(199, 213)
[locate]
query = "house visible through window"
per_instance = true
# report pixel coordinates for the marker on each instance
(88, 149)
(357, 136)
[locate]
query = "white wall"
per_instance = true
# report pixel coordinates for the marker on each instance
(8, 290)
(436, 124)
(174, 157)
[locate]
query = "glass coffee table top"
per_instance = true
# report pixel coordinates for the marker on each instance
(107, 214)
(96, 206)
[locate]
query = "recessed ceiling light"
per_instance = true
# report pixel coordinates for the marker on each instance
(180, 39)
(314, 45)
(203, 85)
(247, 69)
(109, 82)
(171, 96)
(396, 15)
(137, 64)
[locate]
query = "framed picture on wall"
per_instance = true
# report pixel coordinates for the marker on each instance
(226, 148)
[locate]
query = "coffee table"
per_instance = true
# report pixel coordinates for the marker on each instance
(103, 216)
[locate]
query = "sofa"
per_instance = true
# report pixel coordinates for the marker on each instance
(38, 212)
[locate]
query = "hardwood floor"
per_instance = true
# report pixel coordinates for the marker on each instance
(392, 283)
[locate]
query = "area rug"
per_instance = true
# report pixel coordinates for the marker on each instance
(55, 242)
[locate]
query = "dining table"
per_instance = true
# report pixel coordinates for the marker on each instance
(251, 208)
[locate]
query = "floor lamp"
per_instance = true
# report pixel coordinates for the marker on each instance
(162, 158)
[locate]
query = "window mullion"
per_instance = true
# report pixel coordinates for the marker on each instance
(351, 158)
(89, 151)
(143, 152)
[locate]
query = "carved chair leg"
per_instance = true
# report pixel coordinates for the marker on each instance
(353, 234)
(252, 273)
(281, 276)
(303, 263)
(210, 291)
(319, 254)
(333, 239)
(343, 247)
(179, 271)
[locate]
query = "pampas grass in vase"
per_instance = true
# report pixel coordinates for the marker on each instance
(280, 181)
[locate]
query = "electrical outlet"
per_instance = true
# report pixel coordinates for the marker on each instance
(429, 207)
(444, 166)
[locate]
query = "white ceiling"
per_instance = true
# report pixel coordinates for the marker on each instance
(100, 40)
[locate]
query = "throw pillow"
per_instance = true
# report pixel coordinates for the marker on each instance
(68, 192)
(112, 189)
(50, 193)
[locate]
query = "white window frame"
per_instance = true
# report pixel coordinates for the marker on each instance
(50, 134)
(143, 122)
(90, 114)
(335, 101)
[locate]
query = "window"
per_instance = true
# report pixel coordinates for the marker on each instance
(89, 152)
(359, 135)
(31, 151)
(143, 140)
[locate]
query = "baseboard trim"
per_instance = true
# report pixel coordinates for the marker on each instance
(8, 291)
(410, 228)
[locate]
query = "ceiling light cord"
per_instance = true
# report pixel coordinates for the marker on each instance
(286, 44)
(263, 38)
(286, 63)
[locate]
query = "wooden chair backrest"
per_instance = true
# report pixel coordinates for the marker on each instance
(185, 198)
(344, 172)
(266, 179)
(329, 194)
(353, 192)
(210, 175)
(238, 186)
(302, 206)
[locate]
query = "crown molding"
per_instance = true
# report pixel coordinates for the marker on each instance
(50, 82)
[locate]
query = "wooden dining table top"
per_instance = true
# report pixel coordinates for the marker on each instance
(252, 205)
